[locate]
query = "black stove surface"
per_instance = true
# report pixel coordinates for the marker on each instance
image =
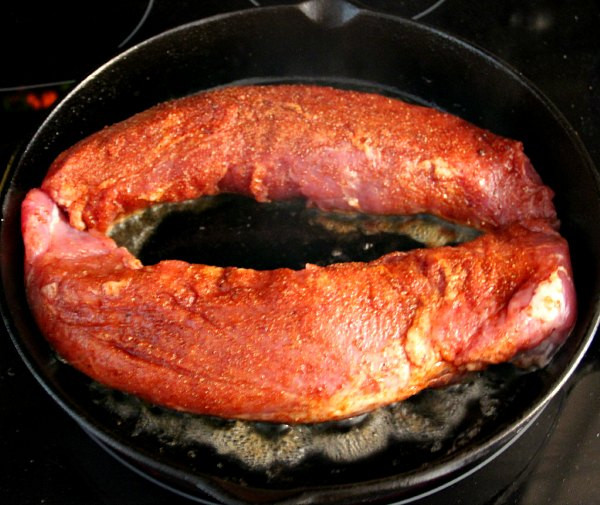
(45, 458)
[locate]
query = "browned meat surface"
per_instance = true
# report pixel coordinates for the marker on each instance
(293, 346)
(338, 149)
(312, 345)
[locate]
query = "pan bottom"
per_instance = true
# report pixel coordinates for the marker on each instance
(268, 462)
(437, 422)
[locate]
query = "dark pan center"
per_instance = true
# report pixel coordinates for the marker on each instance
(230, 230)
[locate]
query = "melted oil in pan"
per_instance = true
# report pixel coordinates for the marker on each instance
(430, 426)
(229, 230)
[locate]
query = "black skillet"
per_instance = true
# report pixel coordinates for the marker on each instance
(337, 43)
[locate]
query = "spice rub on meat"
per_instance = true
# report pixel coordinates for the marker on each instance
(340, 150)
(320, 343)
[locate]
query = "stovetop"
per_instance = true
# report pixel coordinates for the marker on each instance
(46, 458)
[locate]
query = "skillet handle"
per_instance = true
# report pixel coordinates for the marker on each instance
(329, 13)
(333, 13)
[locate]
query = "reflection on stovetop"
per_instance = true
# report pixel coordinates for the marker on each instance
(46, 458)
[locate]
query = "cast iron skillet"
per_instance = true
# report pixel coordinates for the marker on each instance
(328, 42)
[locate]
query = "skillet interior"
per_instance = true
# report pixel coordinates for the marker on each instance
(328, 43)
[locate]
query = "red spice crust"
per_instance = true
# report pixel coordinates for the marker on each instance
(341, 150)
(296, 346)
